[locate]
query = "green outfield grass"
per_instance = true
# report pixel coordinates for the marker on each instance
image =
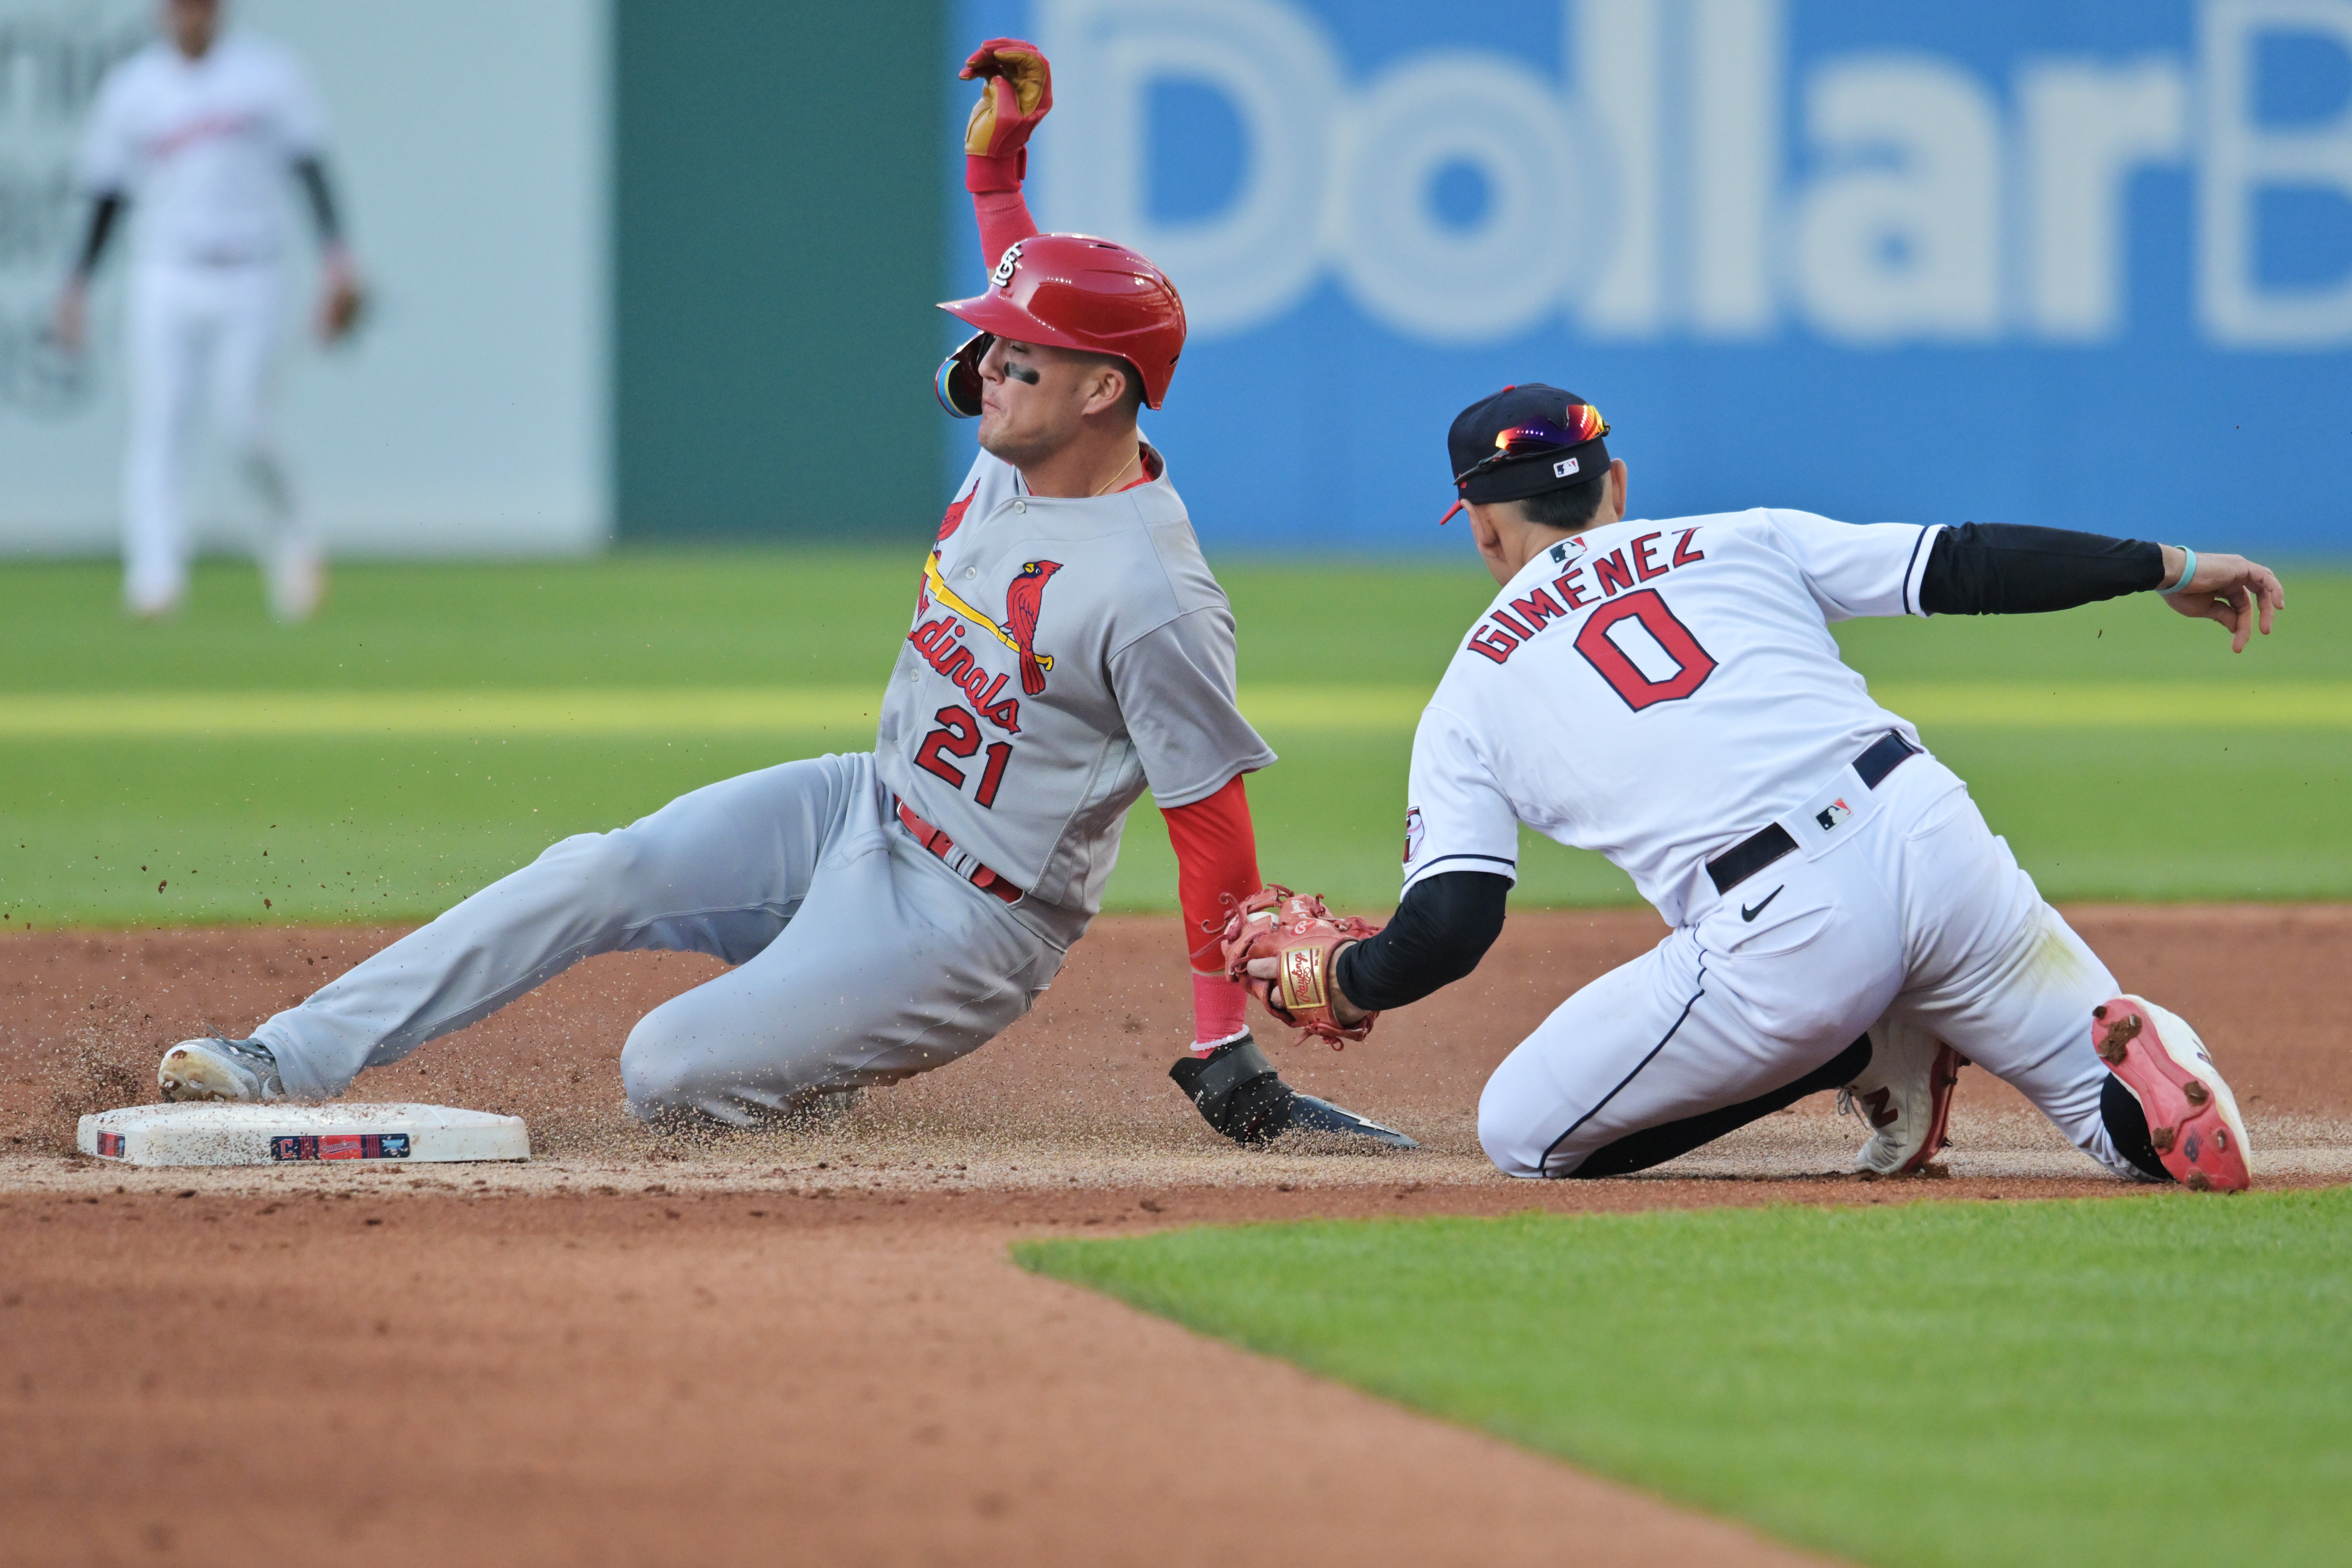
(2146, 1383)
(438, 725)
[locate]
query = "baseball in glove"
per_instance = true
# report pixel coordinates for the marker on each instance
(1301, 938)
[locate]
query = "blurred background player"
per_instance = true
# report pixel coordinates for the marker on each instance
(197, 133)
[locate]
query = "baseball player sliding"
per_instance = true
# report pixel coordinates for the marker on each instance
(1668, 693)
(889, 911)
(196, 134)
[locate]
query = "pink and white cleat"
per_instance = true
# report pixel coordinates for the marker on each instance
(1905, 1096)
(2192, 1116)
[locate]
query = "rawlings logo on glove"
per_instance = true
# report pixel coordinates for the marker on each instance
(1295, 939)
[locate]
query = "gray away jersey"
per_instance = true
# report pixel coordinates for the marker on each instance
(1066, 655)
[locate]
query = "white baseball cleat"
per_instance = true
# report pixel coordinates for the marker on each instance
(218, 1068)
(2192, 1116)
(1905, 1095)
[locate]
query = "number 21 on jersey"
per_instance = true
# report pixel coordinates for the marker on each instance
(958, 736)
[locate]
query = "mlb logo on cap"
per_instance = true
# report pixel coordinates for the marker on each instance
(1521, 442)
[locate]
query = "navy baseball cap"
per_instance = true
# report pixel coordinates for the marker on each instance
(1522, 441)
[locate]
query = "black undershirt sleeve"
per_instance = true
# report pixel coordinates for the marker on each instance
(312, 173)
(1439, 933)
(104, 208)
(2010, 569)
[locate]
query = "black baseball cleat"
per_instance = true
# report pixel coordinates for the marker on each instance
(1241, 1095)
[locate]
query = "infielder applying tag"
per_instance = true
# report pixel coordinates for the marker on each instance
(1668, 693)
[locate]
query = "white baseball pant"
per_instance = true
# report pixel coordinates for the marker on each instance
(859, 957)
(1920, 910)
(191, 325)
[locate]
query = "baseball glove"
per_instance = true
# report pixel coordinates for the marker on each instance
(1303, 937)
(1016, 90)
(342, 303)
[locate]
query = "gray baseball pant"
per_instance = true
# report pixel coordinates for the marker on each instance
(859, 958)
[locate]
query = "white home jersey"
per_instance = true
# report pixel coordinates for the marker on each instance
(200, 147)
(1656, 692)
(1064, 655)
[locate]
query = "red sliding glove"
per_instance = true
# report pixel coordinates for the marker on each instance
(1016, 92)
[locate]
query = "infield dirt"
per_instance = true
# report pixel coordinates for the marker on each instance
(810, 1347)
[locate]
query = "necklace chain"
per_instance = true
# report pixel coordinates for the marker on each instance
(1121, 474)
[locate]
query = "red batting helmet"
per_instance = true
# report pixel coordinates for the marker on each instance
(1072, 291)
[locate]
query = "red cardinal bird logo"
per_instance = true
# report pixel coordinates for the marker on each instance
(1022, 598)
(948, 524)
(954, 519)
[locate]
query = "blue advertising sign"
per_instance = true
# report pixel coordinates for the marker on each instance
(2086, 263)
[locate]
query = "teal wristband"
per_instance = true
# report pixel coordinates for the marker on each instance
(2188, 570)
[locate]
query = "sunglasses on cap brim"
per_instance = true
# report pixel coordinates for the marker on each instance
(1531, 438)
(958, 382)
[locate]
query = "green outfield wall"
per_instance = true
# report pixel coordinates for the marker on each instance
(778, 251)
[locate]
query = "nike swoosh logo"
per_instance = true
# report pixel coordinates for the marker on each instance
(1747, 914)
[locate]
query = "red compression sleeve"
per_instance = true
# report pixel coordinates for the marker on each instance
(997, 202)
(1216, 855)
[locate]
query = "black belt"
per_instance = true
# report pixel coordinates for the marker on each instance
(1751, 854)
